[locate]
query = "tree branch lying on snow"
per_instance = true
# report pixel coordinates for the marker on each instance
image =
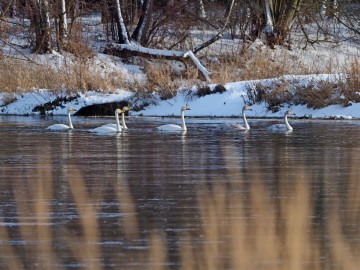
(126, 50)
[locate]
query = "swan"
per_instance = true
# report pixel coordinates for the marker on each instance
(246, 125)
(107, 129)
(172, 127)
(63, 126)
(283, 127)
(125, 109)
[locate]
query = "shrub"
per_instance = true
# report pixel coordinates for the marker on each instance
(350, 91)
(317, 96)
(203, 91)
(279, 95)
(160, 79)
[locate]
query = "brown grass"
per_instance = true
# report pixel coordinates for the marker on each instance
(245, 64)
(163, 79)
(79, 73)
(19, 76)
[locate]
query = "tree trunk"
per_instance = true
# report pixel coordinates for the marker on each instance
(202, 13)
(143, 25)
(125, 50)
(283, 13)
(269, 26)
(122, 31)
(63, 27)
(40, 21)
(45, 36)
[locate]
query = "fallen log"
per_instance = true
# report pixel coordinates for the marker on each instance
(127, 50)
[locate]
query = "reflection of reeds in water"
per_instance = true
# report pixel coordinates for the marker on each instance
(346, 252)
(243, 226)
(252, 231)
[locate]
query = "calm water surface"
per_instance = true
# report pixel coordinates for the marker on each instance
(213, 198)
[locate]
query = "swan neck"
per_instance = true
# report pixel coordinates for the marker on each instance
(117, 122)
(287, 123)
(183, 126)
(70, 122)
(123, 120)
(245, 122)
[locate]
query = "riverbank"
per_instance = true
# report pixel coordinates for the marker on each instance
(225, 103)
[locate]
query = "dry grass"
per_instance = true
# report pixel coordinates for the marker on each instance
(79, 73)
(316, 95)
(163, 79)
(18, 76)
(245, 64)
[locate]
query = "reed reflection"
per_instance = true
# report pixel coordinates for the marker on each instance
(194, 203)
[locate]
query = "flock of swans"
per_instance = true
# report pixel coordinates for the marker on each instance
(115, 128)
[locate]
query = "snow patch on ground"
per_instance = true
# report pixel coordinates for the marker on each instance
(226, 104)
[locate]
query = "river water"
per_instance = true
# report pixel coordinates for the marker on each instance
(212, 198)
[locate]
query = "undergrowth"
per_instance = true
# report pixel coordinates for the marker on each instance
(316, 95)
(78, 73)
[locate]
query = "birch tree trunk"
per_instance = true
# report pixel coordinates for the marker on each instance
(202, 13)
(145, 18)
(269, 26)
(283, 13)
(63, 27)
(45, 31)
(122, 31)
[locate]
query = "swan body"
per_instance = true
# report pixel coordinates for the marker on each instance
(246, 125)
(63, 126)
(109, 128)
(283, 127)
(172, 127)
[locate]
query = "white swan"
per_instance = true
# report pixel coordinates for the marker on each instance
(283, 127)
(246, 125)
(172, 127)
(125, 109)
(63, 126)
(107, 129)
(123, 124)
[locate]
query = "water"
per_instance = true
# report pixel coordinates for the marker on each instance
(213, 198)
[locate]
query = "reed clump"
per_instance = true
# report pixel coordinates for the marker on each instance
(17, 76)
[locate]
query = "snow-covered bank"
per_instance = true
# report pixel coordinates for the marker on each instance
(226, 104)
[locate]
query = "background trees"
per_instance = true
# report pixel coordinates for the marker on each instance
(169, 24)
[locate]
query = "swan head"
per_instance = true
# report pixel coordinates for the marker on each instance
(118, 111)
(126, 108)
(71, 109)
(185, 108)
(246, 108)
(289, 112)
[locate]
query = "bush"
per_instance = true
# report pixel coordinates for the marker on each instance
(160, 79)
(317, 96)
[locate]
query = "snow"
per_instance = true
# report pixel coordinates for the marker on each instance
(226, 104)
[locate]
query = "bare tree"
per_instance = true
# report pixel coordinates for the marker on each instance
(40, 21)
(144, 21)
(281, 14)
